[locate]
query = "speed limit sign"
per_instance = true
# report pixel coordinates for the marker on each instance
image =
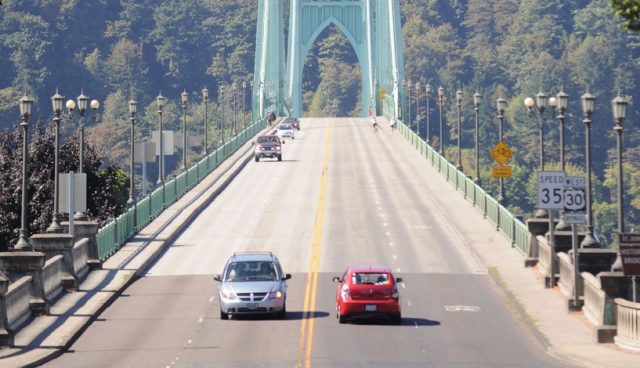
(551, 190)
(575, 200)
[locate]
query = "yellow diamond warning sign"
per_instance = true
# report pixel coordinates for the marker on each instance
(501, 153)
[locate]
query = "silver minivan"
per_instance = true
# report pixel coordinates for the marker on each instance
(252, 283)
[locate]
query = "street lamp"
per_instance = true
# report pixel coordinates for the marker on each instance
(222, 115)
(541, 103)
(458, 131)
(561, 101)
(588, 104)
(205, 98)
(501, 104)
(476, 106)
(619, 106)
(133, 107)
(160, 100)
(25, 111)
(244, 98)
(409, 98)
(184, 97)
(57, 101)
(441, 105)
(418, 109)
(428, 92)
(83, 102)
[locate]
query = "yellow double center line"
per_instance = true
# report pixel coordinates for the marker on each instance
(303, 357)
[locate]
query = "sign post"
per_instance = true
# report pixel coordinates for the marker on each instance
(630, 255)
(574, 213)
(550, 197)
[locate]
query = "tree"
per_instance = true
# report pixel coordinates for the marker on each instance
(630, 11)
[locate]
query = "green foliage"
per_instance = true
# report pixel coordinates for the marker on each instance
(630, 11)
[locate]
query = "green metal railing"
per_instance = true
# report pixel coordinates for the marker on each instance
(512, 228)
(116, 232)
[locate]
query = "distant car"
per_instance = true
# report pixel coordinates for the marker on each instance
(368, 291)
(295, 122)
(252, 283)
(285, 130)
(268, 146)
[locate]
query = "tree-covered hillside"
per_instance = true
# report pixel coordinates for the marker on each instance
(500, 48)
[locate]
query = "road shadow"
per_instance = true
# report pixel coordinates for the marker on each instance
(291, 316)
(406, 322)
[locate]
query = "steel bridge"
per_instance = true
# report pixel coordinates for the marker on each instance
(373, 29)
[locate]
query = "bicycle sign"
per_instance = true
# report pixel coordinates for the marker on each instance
(551, 190)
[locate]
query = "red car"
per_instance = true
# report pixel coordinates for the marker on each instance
(368, 291)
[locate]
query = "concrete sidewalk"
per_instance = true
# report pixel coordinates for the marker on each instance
(565, 335)
(46, 337)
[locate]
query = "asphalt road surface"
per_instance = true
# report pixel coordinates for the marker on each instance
(342, 195)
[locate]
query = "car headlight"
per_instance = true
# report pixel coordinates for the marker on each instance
(275, 295)
(228, 294)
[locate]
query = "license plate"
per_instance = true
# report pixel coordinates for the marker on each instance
(370, 308)
(252, 305)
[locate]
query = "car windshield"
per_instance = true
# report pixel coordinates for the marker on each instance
(251, 271)
(285, 127)
(267, 140)
(368, 278)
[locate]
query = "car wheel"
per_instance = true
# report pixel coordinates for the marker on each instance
(279, 157)
(224, 316)
(342, 318)
(257, 158)
(283, 313)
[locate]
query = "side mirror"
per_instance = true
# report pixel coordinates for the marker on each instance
(336, 279)
(283, 142)
(287, 276)
(398, 279)
(217, 277)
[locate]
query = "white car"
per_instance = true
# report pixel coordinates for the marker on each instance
(285, 131)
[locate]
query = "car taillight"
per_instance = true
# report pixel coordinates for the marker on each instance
(395, 294)
(345, 292)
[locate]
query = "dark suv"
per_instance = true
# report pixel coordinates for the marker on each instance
(268, 146)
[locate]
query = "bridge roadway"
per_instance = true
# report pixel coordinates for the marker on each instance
(342, 195)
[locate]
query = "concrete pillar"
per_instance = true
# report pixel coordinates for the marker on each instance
(53, 244)
(536, 227)
(87, 229)
(6, 338)
(28, 263)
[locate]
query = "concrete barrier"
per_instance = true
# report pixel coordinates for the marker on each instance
(52, 274)
(628, 323)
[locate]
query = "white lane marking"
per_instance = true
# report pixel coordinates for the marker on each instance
(416, 324)
(388, 233)
(394, 256)
(398, 269)
(210, 299)
(382, 215)
(390, 244)
(189, 342)
(379, 208)
(200, 319)
(462, 308)
(408, 302)
(403, 285)
(384, 224)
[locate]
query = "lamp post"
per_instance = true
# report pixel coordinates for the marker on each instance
(619, 106)
(541, 103)
(440, 104)
(418, 109)
(184, 97)
(244, 99)
(476, 107)
(428, 92)
(133, 107)
(83, 102)
(588, 104)
(56, 100)
(160, 100)
(458, 131)
(222, 111)
(205, 98)
(409, 98)
(234, 95)
(26, 102)
(561, 101)
(501, 104)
